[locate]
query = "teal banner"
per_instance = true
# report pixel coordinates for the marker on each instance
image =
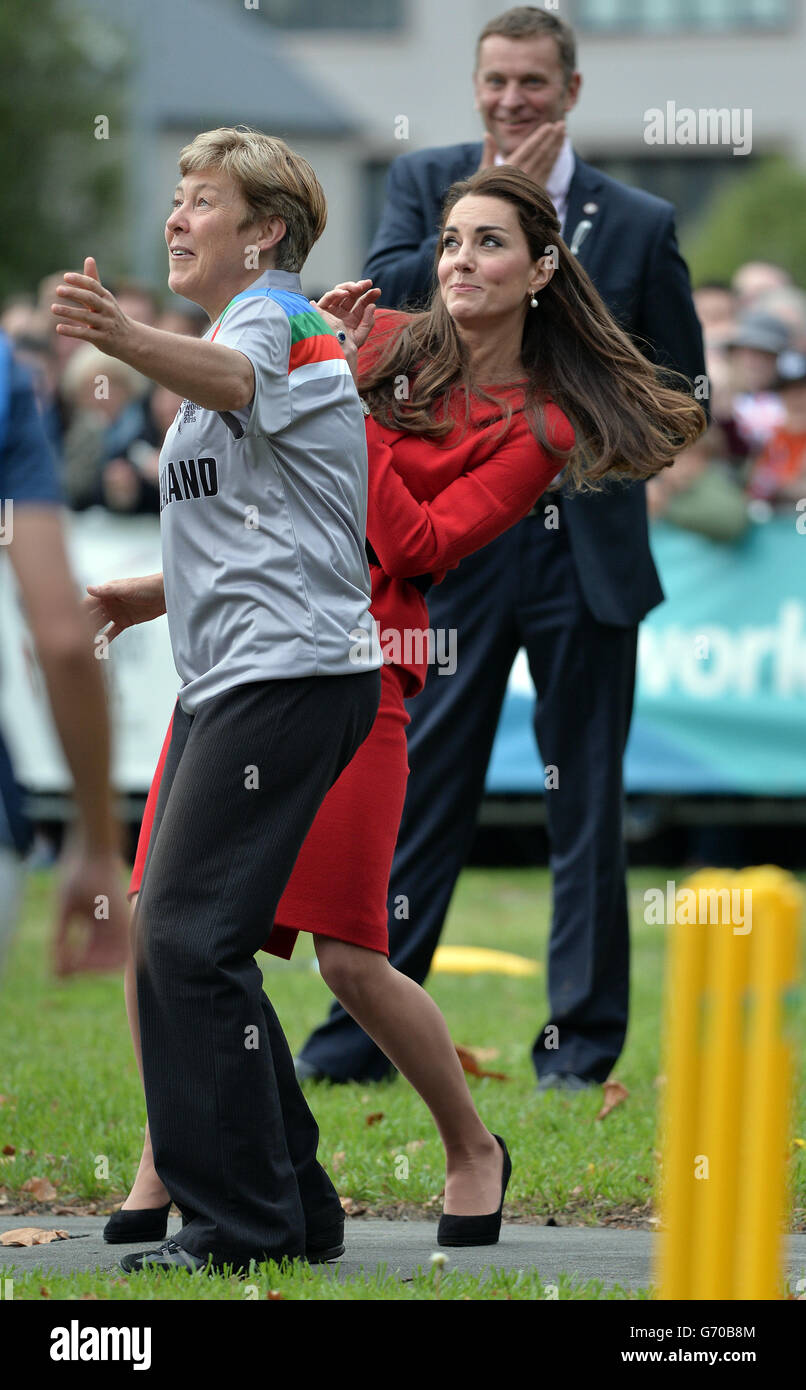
(721, 695)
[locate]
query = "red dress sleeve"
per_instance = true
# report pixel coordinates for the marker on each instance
(411, 537)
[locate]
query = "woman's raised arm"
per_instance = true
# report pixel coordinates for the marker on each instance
(214, 376)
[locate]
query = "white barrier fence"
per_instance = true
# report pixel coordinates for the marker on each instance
(141, 678)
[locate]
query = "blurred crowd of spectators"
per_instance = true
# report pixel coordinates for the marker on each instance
(752, 460)
(106, 422)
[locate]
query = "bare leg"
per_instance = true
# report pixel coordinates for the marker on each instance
(147, 1189)
(407, 1025)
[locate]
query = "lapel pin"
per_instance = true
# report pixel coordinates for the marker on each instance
(580, 232)
(590, 208)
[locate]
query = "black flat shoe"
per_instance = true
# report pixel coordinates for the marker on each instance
(127, 1227)
(324, 1256)
(169, 1256)
(476, 1230)
(323, 1246)
(565, 1081)
(172, 1255)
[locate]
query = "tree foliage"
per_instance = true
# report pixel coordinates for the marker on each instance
(60, 68)
(760, 217)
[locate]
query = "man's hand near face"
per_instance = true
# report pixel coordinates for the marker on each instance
(535, 156)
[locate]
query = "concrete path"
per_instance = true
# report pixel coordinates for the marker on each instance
(614, 1256)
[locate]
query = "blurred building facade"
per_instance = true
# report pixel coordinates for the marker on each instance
(352, 84)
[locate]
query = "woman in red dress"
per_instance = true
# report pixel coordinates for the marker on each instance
(469, 409)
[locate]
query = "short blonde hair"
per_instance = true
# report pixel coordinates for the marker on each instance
(274, 182)
(89, 362)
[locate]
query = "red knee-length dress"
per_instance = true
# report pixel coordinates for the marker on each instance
(430, 503)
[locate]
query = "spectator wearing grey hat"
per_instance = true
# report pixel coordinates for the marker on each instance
(753, 350)
(763, 333)
(788, 306)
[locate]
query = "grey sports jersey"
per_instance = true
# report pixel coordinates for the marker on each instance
(263, 511)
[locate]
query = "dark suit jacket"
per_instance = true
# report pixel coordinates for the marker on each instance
(631, 254)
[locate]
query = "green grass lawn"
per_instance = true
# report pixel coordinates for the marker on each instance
(303, 1283)
(72, 1096)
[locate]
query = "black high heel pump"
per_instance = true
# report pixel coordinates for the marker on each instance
(476, 1230)
(128, 1227)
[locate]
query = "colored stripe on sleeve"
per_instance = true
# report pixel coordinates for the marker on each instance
(315, 350)
(311, 371)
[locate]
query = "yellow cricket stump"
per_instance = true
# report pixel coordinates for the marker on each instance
(731, 974)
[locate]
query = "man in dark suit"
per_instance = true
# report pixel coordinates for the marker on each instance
(570, 583)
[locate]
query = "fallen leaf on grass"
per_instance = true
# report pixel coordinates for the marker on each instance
(469, 1058)
(338, 1158)
(415, 1144)
(80, 1209)
(41, 1189)
(89, 1295)
(614, 1094)
(44, 1293)
(32, 1235)
(352, 1208)
(9, 1149)
(275, 1296)
(374, 1118)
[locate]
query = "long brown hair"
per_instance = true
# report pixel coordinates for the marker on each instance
(628, 419)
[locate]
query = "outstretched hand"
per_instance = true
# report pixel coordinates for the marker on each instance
(88, 311)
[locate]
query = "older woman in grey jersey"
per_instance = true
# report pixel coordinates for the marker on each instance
(263, 486)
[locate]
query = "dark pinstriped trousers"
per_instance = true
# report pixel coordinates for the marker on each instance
(233, 1138)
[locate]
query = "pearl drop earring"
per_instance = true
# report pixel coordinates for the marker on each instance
(533, 301)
